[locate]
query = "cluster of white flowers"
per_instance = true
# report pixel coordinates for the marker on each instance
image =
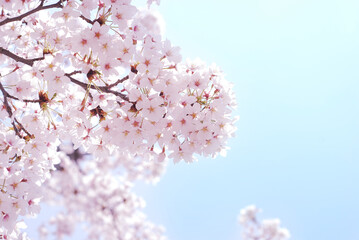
(24, 165)
(103, 201)
(99, 75)
(268, 229)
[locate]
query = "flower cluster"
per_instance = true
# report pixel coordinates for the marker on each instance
(104, 202)
(99, 75)
(24, 165)
(268, 229)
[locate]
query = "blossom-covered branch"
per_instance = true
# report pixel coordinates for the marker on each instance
(87, 20)
(37, 9)
(6, 102)
(17, 58)
(17, 129)
(106, 89)
(141, 107)
(7, 95)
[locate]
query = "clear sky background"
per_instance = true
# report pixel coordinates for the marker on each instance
(295, 66)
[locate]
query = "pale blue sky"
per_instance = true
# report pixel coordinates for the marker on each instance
(295, 65)
(295, 68)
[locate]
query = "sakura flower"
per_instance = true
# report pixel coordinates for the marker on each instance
(126, 50)
(149, 66)
(56, 81)
(86, 7)
(98, 149)
(56, 38)
(152, 21)
(3, 112)
(121, 15)
(66, 13)
(82, 42)
(8, 219)
(97, 75)
(23, 89)
(267, 229)
(198, 81)
(171, 53)
(152, 109)
(99, 31)
(109, 67)
(149, 2)
(12, 5)
(136, 30)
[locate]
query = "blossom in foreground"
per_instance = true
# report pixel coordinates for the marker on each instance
(98, 75)
(253, 229)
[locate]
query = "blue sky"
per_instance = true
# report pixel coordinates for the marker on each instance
(295, 69)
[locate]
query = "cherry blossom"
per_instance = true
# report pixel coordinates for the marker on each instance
(268, 229)
(93, 99)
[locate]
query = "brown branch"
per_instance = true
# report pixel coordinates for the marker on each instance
(17, 58)
(38, 8)
(24, 100)
(5, 93)
(8, 109)
(118, 94)
(16, 130)
(6, 103)
(22, 128)
(87, 20)
(106, 89)
(73, 73)
(118, 81)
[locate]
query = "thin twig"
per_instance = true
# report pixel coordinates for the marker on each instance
(16, 130)
(106, 89)
(9, 111)
(24, 100)
(16, 98)
(87, 20)
(22, 128)
(118, 81)
(6, 103)
(38, 8)
(17, 58)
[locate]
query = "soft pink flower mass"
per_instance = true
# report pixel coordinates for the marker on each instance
(92, 99)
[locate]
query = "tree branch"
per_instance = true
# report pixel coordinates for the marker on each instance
(17, 58)
(22, 128)
(106, 89)
(5, 93)
(9, 111)
(118, 81)
(25, 100)
(87, 20)
(6, 103)
(38, 8)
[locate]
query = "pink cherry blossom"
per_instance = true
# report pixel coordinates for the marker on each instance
(92, 100)
(266, 229)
